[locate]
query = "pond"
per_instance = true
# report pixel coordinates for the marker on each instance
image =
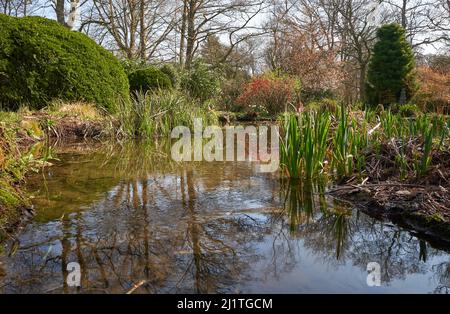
(133, 219)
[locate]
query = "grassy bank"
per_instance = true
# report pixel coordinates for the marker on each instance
(13, 166)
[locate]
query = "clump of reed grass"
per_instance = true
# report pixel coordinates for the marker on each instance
(342, 160)
(310, 141)
(304, 146)
(157, 113)
(291, 154)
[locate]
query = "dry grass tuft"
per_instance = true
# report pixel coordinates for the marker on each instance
(78, 109)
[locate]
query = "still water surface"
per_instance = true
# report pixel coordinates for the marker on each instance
(128, 215)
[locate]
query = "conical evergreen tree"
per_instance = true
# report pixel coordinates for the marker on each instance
(390, 77)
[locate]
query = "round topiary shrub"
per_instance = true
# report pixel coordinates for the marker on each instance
(147, 79)
(41, 60)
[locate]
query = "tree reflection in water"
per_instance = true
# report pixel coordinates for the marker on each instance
(197, 228)
(338, 234)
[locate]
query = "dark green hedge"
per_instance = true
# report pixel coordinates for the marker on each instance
(148, 79)
(40, 61)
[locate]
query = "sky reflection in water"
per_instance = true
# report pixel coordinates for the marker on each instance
(127, 214)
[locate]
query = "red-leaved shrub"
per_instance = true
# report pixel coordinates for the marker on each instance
(434, 92)
(269, 94)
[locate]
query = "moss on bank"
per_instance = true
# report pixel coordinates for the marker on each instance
(11, 173)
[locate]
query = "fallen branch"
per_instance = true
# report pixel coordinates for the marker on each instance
(381, 185)
(136, 286)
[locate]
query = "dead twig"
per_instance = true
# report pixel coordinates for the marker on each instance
(136, 286)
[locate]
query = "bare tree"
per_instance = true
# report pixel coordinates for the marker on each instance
(135, 28)
(67, 17)
(201, 18)
(356, 30)
(426, 21)
(339, 32)
(20, 8)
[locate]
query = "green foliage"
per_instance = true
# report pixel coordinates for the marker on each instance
(230, 91)
(314, 142)
(12, 170)
(409, 110)
(316, 95)
(131, 65)
(147, 79)
(324, 105)
(233, 66)
(200, 82)
(41, 61)
(304, 146)
(172, 73)
(157, 113)
(233, 63)
(390, 77)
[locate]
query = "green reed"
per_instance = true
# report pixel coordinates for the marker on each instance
(304, 147)
(388, 121)
(430, 128)
(422, 164)
(342, 161)
(157, 113)
(319, 142)
(291, 154)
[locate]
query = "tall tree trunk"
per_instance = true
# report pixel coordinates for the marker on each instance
(190, 33)
(60, 12)
(183, 32)
(72, 13)
(133, 22)
(142, 41)
(362, 81)
(403, 14)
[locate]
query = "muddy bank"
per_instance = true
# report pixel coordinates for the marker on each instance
(419, 202)
(40, 126)
(422, 209)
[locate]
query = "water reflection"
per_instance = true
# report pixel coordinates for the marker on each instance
(129, 216)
